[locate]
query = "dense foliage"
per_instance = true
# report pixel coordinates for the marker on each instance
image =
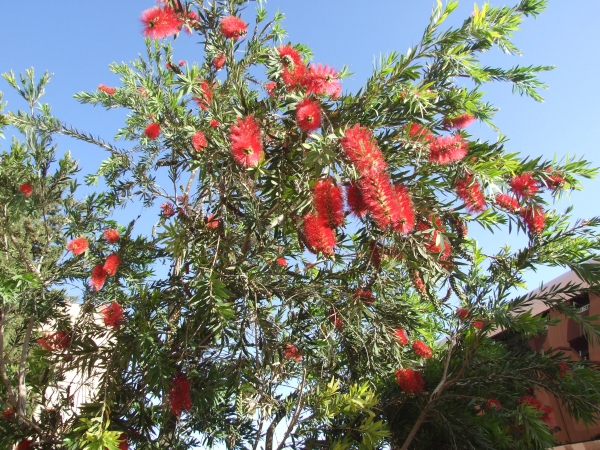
(220, 327)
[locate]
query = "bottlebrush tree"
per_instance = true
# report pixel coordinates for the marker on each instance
(220, 327)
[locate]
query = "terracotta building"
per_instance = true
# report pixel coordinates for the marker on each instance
(568, 338)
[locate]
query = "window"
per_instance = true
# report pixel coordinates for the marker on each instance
(581, 346)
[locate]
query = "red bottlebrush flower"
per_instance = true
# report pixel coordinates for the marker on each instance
(507, 202)
(270, 87)
(98, 278)
(492, 404)
(365, 296)
(246, 144)
(204, 100)
(112, 264)
(167, 209)
(479, 324)
(459, 122)
(292, 352)
(212, 222)
(554, 180)
(356, 203)
(180, 398)
(181, 62)
(447, 149)
(469, 190)
(563, 369)
(219, 61)
(329, 202)
(319, 237)
(24, 445)
(362, 150)
(8, 414)
(417, 281)
(124, 445)
(405, 222)
(113, 315)
(534, 218)
(524, 185)
(214, 123)
(530, 401)
(462, 314)
(233, 27)
(160, 23)
(410, 381)
(323, 80)
(401, 336)
(308, 115)
(374, 255)
(335, 320)
(420, 132)
(547, 410)
(381, 199)
(432, 236)
(152, 130)
(199, 141)
(78, 245)
(294, 70)
(281, 262)
(61, 340)
(111, 235)
(26, 189)
(107, 90)
(422, 349)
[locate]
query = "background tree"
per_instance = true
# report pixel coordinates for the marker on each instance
(219, 327)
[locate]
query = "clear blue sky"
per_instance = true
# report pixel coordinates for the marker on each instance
(76, 40)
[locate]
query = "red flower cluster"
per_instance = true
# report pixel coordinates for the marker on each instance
(459, 122)
(199, 141)
(554, 180)
(534, 218)
(507, 202)
(401, 337)
(563, 369)
(355, 200)
(214, 123)
(99, 275)
(246, 144)
(152, 130)
(107, 90)
(8, 414)
(447, 149)
(406, 216)
(160, 22)
(233, 27)
(61, 340)
(112, 264)
(111, 235)
(281, 262)
(270, 87)
(124, 445)
(334, 319)
(308, 115)
(167, 209)
(410, 381)
(205, 97)
(293, 68)
(422, 349)
(479, 324)
(292, 352)
(329, 202)
(78, 245)
(25, 445)
(524, 185)
(492, 404)
(211, 221)
(113, 315)
(535, 403)
(462, 314)
(319, 237)
(420, 132)
(432, 237)
(469, 190)
(388, 205)
(180, 398)
(219, 61)
(417, 281)
(365, 296)
(362, 150)
(323, 80)
(26, 189)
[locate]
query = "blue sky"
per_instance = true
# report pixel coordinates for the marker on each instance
(76, 40)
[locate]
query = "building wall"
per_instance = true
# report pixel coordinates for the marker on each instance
(560, 338)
